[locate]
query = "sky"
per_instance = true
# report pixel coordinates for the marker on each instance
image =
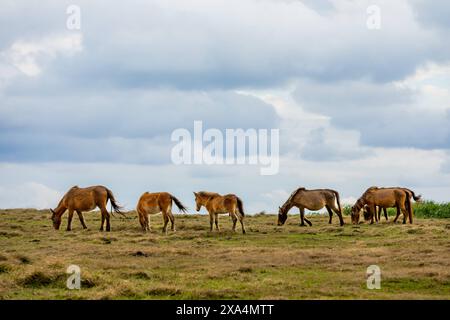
(96, 105)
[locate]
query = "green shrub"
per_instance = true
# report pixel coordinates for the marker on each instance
(431, 209)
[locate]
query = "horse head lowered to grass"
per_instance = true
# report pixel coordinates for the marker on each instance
(85, 199)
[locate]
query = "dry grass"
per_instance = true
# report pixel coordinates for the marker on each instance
(291, 262)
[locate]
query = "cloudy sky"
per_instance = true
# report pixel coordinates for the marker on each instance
(97, 105)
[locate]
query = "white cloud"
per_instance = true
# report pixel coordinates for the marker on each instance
(28, 57)
(28, 195)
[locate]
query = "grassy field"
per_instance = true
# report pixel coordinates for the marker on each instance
(290, 262)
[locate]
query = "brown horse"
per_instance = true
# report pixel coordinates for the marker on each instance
(373, 197)
(85, 199)
(368, 215)
(217, 204)
(154, 203)
(311, 200)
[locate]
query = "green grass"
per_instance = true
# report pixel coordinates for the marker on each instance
(269, 262)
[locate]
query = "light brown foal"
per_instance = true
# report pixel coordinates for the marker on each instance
(154, 203)
(217, 204)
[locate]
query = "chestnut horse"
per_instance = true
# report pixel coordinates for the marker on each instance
(85, 199)
(409, 192)
(399, 198)
(311, 200)
(217, 204)
(154, 203)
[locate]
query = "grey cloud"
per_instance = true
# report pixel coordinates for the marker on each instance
(131, 126)
(160, 45)
(385, 115)
(319, 147)
(434, 13)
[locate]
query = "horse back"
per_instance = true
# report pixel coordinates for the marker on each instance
(152, 202)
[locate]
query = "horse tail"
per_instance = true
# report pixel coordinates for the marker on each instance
(336, 194)
(409, 207)
(114, 205)
(240, 205)
(178, 203)
(417, 198)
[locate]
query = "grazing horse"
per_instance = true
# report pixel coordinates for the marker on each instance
(154, 203)
(311, 200)
(217, 204)
(85, 199)
(399, 198)
(410, 194)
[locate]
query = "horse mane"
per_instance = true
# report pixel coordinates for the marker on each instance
(293, 194)
(359, 203)
(207, 194)
(370, 190)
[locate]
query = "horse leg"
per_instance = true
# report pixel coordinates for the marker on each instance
(385, 214)
(235, 219)
(103, 221)
(108, 223)
(241, 220)
(69, 220)
(166, 221)
(338, 213)
(398, 213)
(216, 221)
(147, 222)
(80, 216)
(302, 216)
(105, 216)
(373, 213)
(172, 221)
(142, 221)
(211, 221)
(405, 213)
(330, 213)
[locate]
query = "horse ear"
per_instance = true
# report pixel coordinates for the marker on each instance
(195, 193)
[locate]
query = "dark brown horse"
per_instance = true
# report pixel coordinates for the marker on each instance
(154, 203)
(85, 199)
(217, 204)
(311, 200)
